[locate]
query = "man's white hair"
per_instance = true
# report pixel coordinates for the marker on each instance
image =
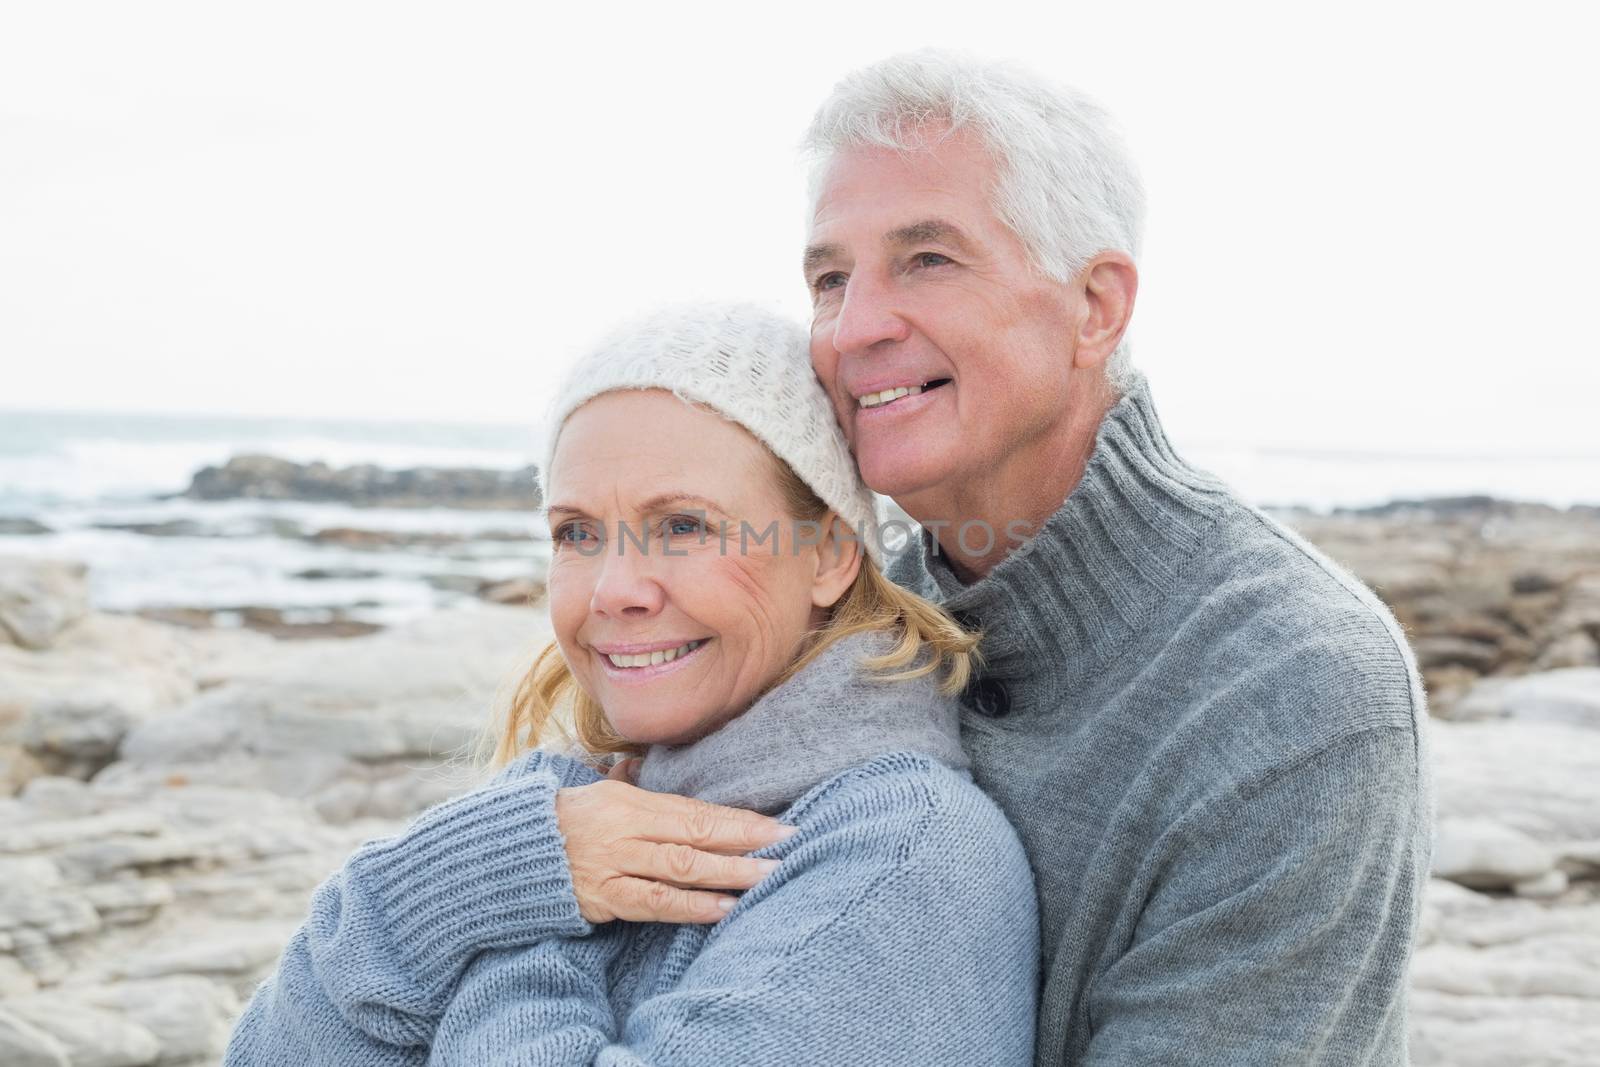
(1067, 186)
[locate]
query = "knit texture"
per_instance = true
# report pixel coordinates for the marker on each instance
(1211, 740)
(768, 756)
(900, 928)
(750, 366)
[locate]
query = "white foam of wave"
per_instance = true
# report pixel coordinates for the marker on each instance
(129, 571)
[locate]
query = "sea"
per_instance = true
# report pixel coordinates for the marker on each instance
(82, 474)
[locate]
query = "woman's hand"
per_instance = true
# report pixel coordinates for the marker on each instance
(650, 857)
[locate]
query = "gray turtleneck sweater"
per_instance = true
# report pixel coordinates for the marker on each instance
(1212, 742)
(899, 928)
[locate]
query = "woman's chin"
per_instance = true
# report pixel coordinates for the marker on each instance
(647, 729)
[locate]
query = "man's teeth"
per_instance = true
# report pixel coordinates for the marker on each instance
(651, 659)
(875, 400)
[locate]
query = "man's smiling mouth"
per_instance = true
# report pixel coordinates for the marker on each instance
(889, 396)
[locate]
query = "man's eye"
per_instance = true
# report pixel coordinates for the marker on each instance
(932, 259)
(831, 280)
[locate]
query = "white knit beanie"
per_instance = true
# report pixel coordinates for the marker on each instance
(753, 368)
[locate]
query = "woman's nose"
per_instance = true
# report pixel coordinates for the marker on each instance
(627, 585)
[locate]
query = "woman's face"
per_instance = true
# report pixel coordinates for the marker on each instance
(669, 618)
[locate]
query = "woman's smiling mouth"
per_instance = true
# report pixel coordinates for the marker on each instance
(647, 666)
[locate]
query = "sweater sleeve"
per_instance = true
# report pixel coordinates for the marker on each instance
(1282, 930)
(367, 975)
(900, 928)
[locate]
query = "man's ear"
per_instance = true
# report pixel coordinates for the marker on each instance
(839, 555)
(1110, 283)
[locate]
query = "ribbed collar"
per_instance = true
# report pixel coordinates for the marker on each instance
(1101, 565)
(829, 717)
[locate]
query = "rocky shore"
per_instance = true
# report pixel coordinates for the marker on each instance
(260, 477)
(169, 797)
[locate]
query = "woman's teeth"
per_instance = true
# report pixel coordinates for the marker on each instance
(877, 400)
(651, 659)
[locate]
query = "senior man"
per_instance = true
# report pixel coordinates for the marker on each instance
(1209, 736)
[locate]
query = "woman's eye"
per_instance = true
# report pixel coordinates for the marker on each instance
(571, 533)
(682, 526)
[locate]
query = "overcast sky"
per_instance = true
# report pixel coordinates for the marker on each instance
(1372, 227)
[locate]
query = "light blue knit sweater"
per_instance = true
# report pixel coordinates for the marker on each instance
(900, 928)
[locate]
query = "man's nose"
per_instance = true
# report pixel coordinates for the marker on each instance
(868, 315)
(627, 586)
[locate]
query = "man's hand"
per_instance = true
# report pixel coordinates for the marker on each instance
(650, 857)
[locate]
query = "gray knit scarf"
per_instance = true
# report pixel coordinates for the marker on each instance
(829, 717)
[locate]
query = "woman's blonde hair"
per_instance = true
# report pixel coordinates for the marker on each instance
(925, 632)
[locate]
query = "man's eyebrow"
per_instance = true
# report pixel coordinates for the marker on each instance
(936, 230)
(816, 255)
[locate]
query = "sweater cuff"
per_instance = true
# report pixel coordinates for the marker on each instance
(485, 870)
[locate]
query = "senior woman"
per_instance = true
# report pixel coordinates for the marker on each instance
(718, 605)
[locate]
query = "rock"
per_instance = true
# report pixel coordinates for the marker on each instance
(89, 1035)
(517, 591)
(1528, 582)
(345, 574)
(270, 478)
(1542, 779)
(350, 537)
(1525, 971)
(279, 624)
(221, 954)
(15, 981)
(1551, 883)
(170, 528)
(190, 1017)
(39, 598)
(1499, 980)
(1576, 649)
(23, 527)
(70, 705)
(129, 900)
(24, 1045)
(57, 796)
(189, 618)
(1566, 696)
(1455, 1031)
(399, 703)
(1580, 859)
(60, 833)
(54, 917)
(1453, 650)
(18, 767)
(1485, 855)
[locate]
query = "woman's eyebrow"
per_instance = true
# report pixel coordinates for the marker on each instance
(672, 499)
(659, 502)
